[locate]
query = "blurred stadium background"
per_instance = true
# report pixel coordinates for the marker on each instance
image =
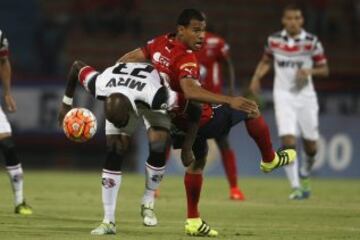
(47, 35)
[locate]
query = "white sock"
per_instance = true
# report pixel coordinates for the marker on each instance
(17, 182)
(292, 172)
(306, 166)
(153, 178)
(111, 181)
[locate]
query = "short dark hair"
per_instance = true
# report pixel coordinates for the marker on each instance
(190, 14)
(292, 7)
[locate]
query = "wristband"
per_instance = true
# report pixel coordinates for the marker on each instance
(67, 100)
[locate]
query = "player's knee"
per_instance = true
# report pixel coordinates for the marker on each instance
(311, 151)
(117, 143)
(117, 146)
(158, 152)
(7, 146)
(198, 164)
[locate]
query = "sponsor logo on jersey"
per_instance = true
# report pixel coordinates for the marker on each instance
(188, 64)
(126, 82)
(290, 64)
(158, 58)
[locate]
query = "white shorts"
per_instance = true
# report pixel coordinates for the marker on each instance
(4, 123)
(297, 115)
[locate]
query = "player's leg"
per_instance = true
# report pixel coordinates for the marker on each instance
(309, 122)
(13, 166)
(310, 147)
(258, 130)
(117, 143)
(286, 120)
(193, 181)
(292, 170)
(229, 162)
(158, 127)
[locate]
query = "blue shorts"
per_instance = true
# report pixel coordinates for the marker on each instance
(224, 118)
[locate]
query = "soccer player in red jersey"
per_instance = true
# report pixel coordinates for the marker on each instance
(173, 56)
(215, 62)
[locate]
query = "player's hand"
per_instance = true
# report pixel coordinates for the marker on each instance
(302, 77)
(64, 108)
(245, 105)
(10, 103)
(187, 156)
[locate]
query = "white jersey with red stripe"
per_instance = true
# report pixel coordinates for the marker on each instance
(291, 54)
(139, 82)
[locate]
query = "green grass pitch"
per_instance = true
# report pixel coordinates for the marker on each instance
(67, 205)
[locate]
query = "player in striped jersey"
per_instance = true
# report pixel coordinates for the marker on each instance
(297, 56)
(7, 145)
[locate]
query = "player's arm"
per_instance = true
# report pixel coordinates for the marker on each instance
(229, 73)
(5, 75)
(320, 69)
(261, 70)
(193, 91)
(136, 55)
(76, 74)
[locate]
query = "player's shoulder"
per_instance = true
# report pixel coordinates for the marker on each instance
(310, 37)
(276, 35)
(213, 38)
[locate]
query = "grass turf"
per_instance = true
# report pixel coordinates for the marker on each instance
(67, 205)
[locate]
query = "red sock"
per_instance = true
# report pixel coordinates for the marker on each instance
(259, 131)
(193, 183)
(229, 163)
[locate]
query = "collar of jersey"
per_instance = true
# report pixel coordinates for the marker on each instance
(300, 36)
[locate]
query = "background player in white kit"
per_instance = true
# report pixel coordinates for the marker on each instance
(7, 145)
(297, 56)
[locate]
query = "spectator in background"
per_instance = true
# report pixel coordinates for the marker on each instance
(112, 16)
(316, 15)
(354, 9)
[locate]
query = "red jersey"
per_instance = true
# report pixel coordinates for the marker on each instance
(175, 61)
(214, 50)
(172, 59)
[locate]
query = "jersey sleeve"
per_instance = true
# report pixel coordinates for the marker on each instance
(87, 77)
(148, 48)
(224, 49)
(318, 54)
(267, 49)
(188, 67)
(4, 45)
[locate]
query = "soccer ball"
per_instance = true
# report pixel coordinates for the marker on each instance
(79, 124)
